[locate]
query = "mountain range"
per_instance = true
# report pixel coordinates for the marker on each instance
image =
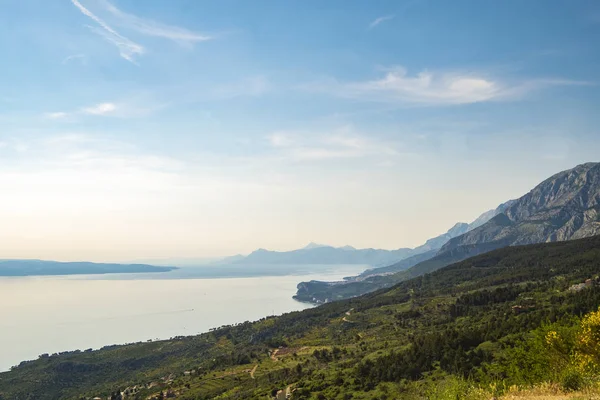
(563, 207)
(315, 253)
(321, 254)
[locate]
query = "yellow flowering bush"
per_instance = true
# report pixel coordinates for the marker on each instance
(552, 338)
(574, 354)
(559, 348)
(587, 352)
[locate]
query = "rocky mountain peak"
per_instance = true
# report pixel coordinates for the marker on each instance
(577, 188)
(564, 206)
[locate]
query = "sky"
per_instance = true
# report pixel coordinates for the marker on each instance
(195, 128)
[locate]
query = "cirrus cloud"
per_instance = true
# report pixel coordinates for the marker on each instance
(153, 28)
(437, 88)
(56, 115)
(129, 49)
(339, 143)
(379, 20)
(100, 109)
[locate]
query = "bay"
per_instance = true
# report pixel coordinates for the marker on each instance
(48, 314)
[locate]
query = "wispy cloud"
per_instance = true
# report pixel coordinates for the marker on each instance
(281, 139)
(338, 143)
(107, 109)
(83, 149)
(379, 20)
(437, 88)
(153, 28)
(100, 109)
(128, 49)
(87, 151)
(56, 115)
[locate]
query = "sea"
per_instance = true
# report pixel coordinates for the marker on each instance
(49, 314)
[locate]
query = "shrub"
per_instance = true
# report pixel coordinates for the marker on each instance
(587, 353)
(572, 380)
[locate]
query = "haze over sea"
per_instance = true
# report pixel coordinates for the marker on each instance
(47, 314)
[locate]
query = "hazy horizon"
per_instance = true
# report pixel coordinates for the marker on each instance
(175, 260)
(152, 130)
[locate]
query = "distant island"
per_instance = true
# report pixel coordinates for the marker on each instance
(40, 267)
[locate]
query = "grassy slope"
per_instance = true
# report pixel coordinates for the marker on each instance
(454, 320)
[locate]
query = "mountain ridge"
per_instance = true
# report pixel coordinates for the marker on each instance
(315, 253)
(326, 255)
(562, 207)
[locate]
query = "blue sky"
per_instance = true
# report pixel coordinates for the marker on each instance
(192, 128)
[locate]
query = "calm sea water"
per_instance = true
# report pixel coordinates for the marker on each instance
(52, 314)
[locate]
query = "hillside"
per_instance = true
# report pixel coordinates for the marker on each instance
(563, 207)
(477, 320)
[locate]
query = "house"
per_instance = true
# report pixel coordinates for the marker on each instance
(518, 309)
(580, 286)
(577, 287)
